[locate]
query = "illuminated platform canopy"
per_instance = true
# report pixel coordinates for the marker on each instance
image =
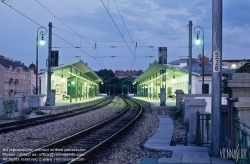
(73, 81)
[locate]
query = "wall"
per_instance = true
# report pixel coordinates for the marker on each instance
(207, 98)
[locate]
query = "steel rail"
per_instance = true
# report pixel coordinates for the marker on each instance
(49, 118)
(62, 142)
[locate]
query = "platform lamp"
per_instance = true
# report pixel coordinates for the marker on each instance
(197, 41)
(43, 31)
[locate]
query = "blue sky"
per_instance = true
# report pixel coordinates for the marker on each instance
(143, 19)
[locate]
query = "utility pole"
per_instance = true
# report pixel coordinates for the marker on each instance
(190, 58)
(216, 76)
(162, 54)
(48, 100)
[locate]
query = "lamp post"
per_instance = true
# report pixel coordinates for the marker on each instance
(197, 32)
(42, 42)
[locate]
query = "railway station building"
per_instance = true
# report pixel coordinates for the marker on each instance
(177, 73)
(71, 82)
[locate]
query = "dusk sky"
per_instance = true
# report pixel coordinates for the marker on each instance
(86, 23)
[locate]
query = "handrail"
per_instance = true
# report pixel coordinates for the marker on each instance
(242, 142)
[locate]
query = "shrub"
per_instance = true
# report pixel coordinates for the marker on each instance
(38, 112)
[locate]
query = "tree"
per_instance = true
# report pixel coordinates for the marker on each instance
(245, 68)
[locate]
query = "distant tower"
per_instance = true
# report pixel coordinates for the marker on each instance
(162, 55)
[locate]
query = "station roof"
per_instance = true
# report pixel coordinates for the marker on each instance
(156, 67)
(208, 69)
(80, 66)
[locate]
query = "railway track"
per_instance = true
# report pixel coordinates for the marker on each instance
(16, 125)
(77, 147)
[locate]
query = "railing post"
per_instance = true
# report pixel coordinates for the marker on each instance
(198, 131)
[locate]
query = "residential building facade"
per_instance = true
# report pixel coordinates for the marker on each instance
(15, 76)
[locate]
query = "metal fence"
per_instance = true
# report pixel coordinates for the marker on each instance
(242, 142)
(203, 129)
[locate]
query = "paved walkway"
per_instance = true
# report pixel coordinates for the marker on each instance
(181, 154)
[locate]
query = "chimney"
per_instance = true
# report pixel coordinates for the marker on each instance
(193, 61)
(206, 61)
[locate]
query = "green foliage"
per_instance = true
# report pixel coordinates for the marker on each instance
(179, 112)
(26, 111)
(9, 106)
(38, 112)
(245, 68)
(109, 80)
(24, 114)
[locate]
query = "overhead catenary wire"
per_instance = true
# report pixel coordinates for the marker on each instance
(123, 21)
(22, 14)
(69, 28)
(78, 48)
(162, 34)
(117, 27)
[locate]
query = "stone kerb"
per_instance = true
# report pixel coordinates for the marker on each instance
(160, 110)
(194, 106)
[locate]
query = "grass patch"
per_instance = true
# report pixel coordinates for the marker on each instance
(38, 112)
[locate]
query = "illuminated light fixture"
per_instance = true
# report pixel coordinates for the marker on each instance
(197, 41)
(173, 80)
(82, 78)
(85, 83)
(72, 82)
(62, 76)
(101, 82)
(42, 41)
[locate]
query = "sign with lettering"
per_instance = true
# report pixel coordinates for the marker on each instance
(216, 61)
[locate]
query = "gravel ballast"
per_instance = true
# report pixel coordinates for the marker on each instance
(56, 130)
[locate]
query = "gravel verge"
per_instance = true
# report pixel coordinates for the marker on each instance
(56, 130)
(127, 148)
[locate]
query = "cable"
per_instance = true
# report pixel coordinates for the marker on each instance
(123, 21)
(161, 34)
(77, 48)
(73, 33)
(69, 32)
(22, 14)
(61, 21)
(117, 27)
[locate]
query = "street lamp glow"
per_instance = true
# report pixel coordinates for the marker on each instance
(42, 41)
(197, 42)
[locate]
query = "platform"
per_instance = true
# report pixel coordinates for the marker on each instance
(160, 141)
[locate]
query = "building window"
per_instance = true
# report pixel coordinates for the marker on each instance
(206, 88)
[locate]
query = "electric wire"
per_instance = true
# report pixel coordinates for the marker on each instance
(22, 14)
(161, 34)
(75, 34)
(117, 28)
(123, 21)
(68, 27)
(77, 48)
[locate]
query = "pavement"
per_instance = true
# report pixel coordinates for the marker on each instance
(160, 141)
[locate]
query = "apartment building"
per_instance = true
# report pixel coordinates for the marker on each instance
(233, 64)
(14, 76)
